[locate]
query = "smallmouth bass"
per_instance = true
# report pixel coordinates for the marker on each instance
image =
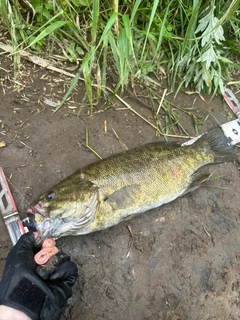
(117, 188)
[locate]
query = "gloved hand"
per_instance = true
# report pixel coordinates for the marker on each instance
(38, 291)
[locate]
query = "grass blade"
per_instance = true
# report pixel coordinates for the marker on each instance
(4, 14)
(72, 86)
(95, 16)
(190, 32)
(50, 29)
(134, 10)
(153, 12)
(160, 39)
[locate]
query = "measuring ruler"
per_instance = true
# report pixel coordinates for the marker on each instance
(232, 101)
(232, 129)
(9, 211)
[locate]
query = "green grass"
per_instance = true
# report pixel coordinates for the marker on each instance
(193, 41)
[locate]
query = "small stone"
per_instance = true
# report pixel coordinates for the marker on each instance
(2, 144)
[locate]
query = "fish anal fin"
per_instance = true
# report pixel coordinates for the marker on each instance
(198, 180)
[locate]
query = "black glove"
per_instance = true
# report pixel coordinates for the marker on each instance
(42, 292)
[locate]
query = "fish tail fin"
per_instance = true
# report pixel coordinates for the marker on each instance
(219, 145)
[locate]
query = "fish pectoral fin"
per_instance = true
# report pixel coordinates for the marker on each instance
(198, 179)
(124, 197)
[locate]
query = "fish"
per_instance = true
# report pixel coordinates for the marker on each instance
(119, 187)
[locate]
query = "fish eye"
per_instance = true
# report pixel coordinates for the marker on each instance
(50, 196)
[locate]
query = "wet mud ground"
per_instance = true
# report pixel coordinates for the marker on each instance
(178, 262)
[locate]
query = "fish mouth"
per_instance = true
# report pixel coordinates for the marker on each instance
(38, 220)
(38, 208)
